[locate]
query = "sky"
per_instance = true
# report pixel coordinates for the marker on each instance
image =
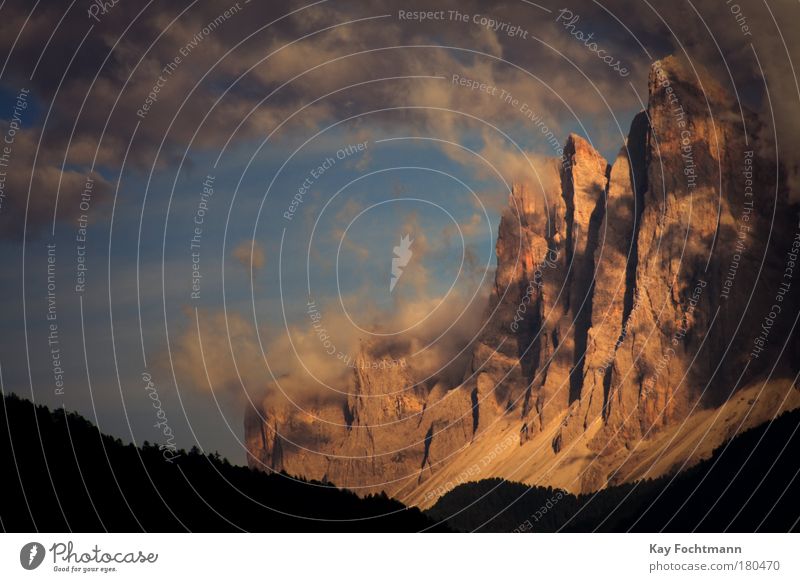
(222, 184)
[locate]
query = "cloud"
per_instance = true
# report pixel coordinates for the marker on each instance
(208, 97)
(250, 253)
(44, 192)
(219, 352)
(311, 361)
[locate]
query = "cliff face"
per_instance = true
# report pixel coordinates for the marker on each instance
(703, 271)
(381, 436)
(625, 333)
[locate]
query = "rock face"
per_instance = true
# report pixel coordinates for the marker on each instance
(629, 328)
(381, 436)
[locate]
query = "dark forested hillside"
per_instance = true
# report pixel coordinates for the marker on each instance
(62, 474)
(749, 485)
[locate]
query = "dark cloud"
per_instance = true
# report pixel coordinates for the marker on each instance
(93, 91)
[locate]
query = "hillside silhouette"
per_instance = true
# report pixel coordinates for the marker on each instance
(748, 485)
(62, 474)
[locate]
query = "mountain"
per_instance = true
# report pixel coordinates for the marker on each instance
(63, 475)
(642, 314)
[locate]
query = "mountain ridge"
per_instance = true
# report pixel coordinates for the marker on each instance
(616, 336)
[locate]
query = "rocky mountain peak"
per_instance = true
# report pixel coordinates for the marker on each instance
(692, 82)
(621, 312)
